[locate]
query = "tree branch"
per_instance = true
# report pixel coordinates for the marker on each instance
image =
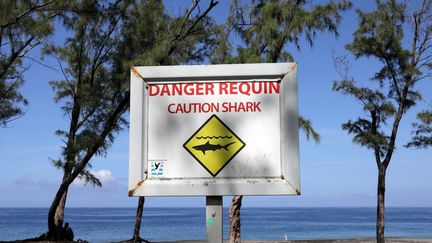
(395, 126)
(177, 38)
(40, 63)
(394, 79)
(30, 10)
(71, 87)
(12, 58)
(96, 60)
(107, 128)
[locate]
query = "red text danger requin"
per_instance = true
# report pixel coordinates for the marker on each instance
(221, 88)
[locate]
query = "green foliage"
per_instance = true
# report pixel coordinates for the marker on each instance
(367, 132)
(23, 25)
(10, 101)
(152, 37)
(423, 131)
(88, 93)
(380, 35)
(266, 27)
(306, 126)
(108, 38)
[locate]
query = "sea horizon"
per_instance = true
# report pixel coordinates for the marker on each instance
(224, 206)
(188, 223)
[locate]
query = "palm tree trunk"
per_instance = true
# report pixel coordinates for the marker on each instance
(381, 206)
(59, 213)
(56, 213)
(136, 236)
(234, 219)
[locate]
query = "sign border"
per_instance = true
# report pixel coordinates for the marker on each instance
(287, 184)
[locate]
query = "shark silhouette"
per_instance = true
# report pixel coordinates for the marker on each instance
(208, 146)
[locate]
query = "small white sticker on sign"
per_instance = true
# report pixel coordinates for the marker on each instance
(157, 167)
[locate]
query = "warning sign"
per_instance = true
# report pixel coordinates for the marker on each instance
(214, 130)
(214, 145)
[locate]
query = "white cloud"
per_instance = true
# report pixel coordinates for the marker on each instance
(104, 176)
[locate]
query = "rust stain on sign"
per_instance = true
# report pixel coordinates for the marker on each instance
(292, 68)
(134, 71)
(132, 191)
(293, 187)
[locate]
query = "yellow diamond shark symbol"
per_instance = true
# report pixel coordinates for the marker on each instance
(214, 145)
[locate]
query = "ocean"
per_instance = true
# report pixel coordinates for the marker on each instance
(115, 224)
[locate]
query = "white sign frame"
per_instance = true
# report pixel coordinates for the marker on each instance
(289, 181)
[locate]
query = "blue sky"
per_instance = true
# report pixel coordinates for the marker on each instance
(335, 172)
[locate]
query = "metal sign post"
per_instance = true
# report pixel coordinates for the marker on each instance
(214, 229)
